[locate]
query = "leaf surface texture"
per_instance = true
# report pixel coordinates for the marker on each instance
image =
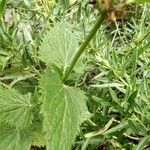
(59, 46)
(64, 109)
(15, 108)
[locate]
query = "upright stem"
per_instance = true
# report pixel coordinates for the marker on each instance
(85, 43)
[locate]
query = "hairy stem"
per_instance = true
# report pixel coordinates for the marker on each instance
(85, 43)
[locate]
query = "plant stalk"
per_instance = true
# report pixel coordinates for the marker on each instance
(85, 43)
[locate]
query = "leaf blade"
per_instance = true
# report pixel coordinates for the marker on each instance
(15, 109)
(2, 7)
(59, 46)
(64, 109)
(13, 138)
(142, 143)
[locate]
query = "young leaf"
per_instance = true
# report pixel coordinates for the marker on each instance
(59, 46)
(137, 1)
(12, 138)
(15, 109)
(63, 108)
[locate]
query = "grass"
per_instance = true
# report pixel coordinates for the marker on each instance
(115, 72)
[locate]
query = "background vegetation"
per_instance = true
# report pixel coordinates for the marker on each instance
(113, 72)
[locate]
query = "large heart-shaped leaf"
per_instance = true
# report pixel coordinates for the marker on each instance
(63, 108)
(59, 46)
(15, 108)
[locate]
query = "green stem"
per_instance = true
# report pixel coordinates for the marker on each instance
(85, 43)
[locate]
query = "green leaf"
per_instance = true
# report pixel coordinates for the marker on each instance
(12, 138)
(100, 131)
(38, 136)
(142, 1)
(2, 7)
(137, 1)
(64, 109)
(38, 139)
(118, 127)
(131, 100)
(15, 109)
(143, 142)
(59, 46)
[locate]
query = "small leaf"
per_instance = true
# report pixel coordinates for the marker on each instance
(132, 97)
(106, 85)
(26, 28)
(64, 109)
(131, 100)
(100, 131)
(59, 46)
(12, 138)
(118, 127)
(15, 109)
(133, 126)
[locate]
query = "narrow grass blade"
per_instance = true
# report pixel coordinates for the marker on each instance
(2, 7)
